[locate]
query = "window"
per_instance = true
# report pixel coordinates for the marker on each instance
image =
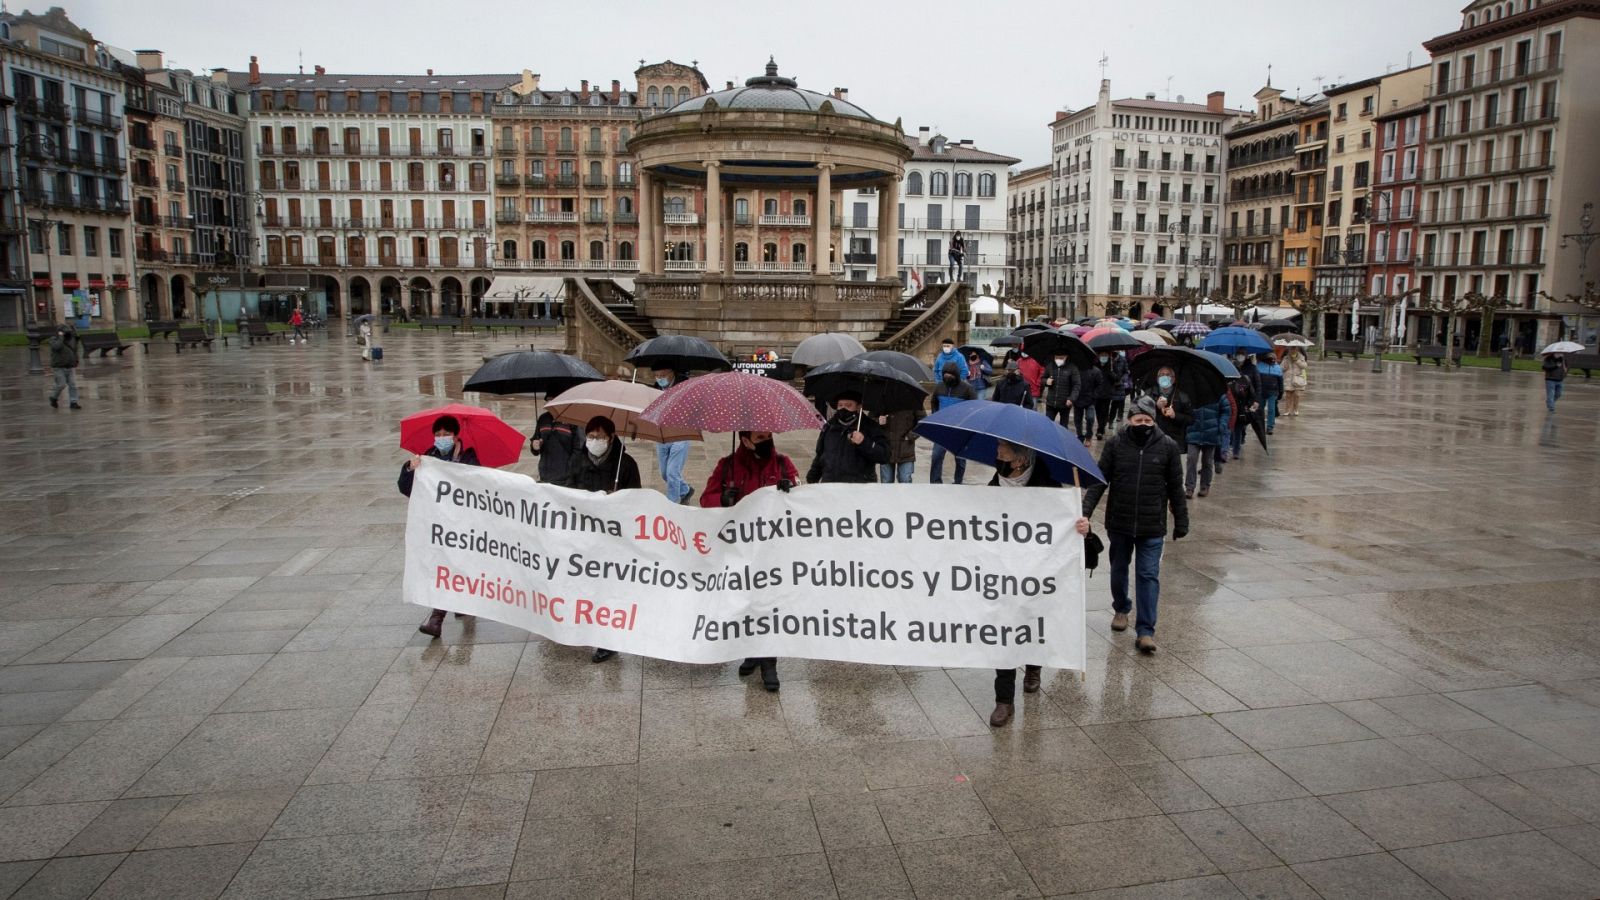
(64, 240)
(986, 183)
(938, 184)
(114, 242)
(536, 250)
(653, 97)
(597, 250)
(799, 207)
(797, 253)
(914, 184)
(625, 250)
(508, 250)
(91, 241)
(963, 184)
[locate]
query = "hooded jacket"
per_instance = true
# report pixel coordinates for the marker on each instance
(746, 474)
(1033, 373)
(943, 359)
(64, 350)
(558, 442)
(601, 475)
(837, 459)
(947, 394)
(1211, 424)
(1013, 389)
(1143, 482)
(900, 437)
(1064, 390)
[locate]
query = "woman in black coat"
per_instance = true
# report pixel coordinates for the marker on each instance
(602, 466)
(446, 446)
(1019, 467)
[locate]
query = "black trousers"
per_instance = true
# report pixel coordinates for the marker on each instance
(1005, 684)
(1102, 415)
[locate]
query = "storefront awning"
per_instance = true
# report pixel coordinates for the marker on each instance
(525, 288)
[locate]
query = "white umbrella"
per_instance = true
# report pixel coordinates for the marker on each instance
(620, 401)
(1146, 336)
(1562, 347)
(821, 349)
(1292, 342)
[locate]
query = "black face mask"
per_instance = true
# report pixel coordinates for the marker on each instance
(1140, 433)
(762, 449)
(845, 417)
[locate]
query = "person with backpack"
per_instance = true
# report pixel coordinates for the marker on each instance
(753, 465)
(64, 346)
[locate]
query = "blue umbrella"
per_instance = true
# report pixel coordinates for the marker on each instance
(971, 430)
(1233, 338)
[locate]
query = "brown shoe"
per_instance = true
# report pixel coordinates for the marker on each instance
(1189, 494)
(1030, 680)
(1204, 491)
(1001, 715)
(1145, 644)
(434, 625)
(1119, 622)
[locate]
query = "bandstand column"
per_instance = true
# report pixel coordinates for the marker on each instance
(713, 218)
(727, 232)
(824, 219)
(658, 214)
(889, 230)
(648, 254)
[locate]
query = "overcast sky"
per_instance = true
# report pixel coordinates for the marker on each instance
(992, 72)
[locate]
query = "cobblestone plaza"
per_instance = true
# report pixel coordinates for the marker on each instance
(1379, 674)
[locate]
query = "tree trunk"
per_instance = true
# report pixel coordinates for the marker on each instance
(1449, 339)
(1485, 329)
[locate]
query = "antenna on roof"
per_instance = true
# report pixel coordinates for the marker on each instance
(1319, 79)
(1269, 74)
(301, 53)
(1169, 87)
(1104, 62)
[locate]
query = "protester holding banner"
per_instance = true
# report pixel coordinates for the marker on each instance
(555, 443)
(446, 446)
(1019, 467)
(603, 466)
(849, 447)
(671, 455)
(902, 446)
(755, 464)
(1144, 470)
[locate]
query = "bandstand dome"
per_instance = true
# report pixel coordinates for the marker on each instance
(772, 92)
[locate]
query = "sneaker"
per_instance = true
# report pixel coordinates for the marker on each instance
(1119, 622)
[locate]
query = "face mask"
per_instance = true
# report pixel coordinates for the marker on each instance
(845, 417)
(1140, 433)
(1104, 360)
(444, 443)
(949, 348)
(1061, 361)
(762, 449)
(1164, 382)
(1240, 357)
(663, 382)
(1121, 354)
(597, 446)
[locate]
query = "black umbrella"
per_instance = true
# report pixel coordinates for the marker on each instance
(678, 352)
(1203, 376)
(1114, 340)
(968, 350)
(905, 362)
(883, 388)
(1260, 428)
(1007, 340)
(1276, 326)
(531, 372)
(1045, 344)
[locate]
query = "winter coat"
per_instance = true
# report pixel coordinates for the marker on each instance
(1063, 392)
(1121, 381)
(297, 318)
(559, 442)
(1271, 379)
(1143, 482)
(1110, 382)
(64, 351)
(467, 457)
(1555, 368)
(1039, 477)
(1249, 372)
(746, 474)
(978, 374)
(1295, 371)
(947, 395)
(943, 359)
(900, 437)
(587, 474)
(1033, 373)
(1240, 393)
(1211, 424)
(837, 459)
(1176, 426)
(1012, 389)
(1091, 382)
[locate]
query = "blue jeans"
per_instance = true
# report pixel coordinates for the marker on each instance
(670, 458)
(1552, 393)
(1237, 439)
(1083, 421)
(936, 475)
(1271, 408)
(1147, 575)
(66, 378)
(890, 473)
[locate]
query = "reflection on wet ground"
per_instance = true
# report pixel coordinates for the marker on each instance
(1380, 674)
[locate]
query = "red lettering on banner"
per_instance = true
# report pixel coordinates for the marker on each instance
(590, 613)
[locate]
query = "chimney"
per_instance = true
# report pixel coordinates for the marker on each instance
(584, 93)
(922, 135)
(430, 72)
(1150, 95)
(1061, 114)
(1214, 101)
(616, 90)
(730, 85)
(255, 71)
(150, 60)
(319, 70)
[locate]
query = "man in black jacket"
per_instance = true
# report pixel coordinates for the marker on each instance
(1173, 413)
(555, 443)
(850, 447)
(1144, 470)
(1010, 387)
(602, 465)
(1060, 389)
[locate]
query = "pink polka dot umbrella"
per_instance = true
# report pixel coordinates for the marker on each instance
(733, 401)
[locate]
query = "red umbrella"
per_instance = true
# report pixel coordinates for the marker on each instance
(733, 401)
(496, 443)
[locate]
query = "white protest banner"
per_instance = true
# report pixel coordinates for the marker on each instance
(926, 575)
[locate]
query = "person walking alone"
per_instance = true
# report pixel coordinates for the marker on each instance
(754, 465)
(1295, 372)
(297, 321)
(951, 390)
(1206, 434)
(1144, 477)
(1019, 467)
(1554, 366)
(64, 356)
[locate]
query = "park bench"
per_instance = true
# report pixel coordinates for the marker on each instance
(1436, 353)
(257, 330)
(1340, 348)
(193, 336)
(162, 327)
(439, 322)
(1588, 362)
(521, 325)
(103, 341)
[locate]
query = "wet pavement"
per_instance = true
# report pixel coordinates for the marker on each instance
(1379, 675)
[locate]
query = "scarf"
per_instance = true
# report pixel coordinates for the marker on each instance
(1020, 479)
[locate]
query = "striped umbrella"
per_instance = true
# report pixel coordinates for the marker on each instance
(1199, 329)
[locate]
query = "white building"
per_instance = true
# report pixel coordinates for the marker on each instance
(1136, 200)
(949, 187)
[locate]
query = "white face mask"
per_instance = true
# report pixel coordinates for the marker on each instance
(597, 446)
(1061, 361)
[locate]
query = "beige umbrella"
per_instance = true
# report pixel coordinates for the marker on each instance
(621, 401)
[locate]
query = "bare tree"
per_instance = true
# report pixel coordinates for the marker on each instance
(1312, 307)
(1589, 299)
(1452, 307)
(1485, 305)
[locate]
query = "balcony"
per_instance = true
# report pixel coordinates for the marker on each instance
(172, 150)
(175, 186)
(595, 148)
(594, 218)
(1250, 231)
(676, 218)
(626, 181)
(96, 118)
(1502, 165)
(784, 220)
(1522, 209)
(139, 142)
(1481, 259)
(507, 217)
(42, 109)
(594, 181)
(505, 147)
(145, 181)
(49, 199)
(153, 255)
(1526, 68)
(550, 218)
(626, 218)
(535, 181)
(566, 148)
(504, 180)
